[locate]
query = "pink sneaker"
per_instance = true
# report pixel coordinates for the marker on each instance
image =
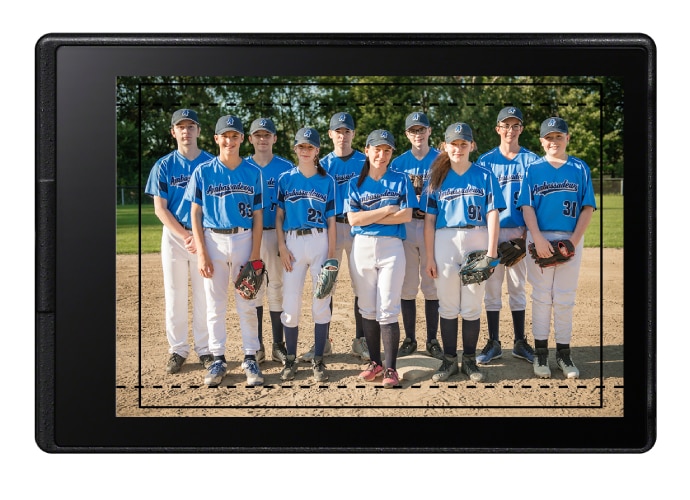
(372, 372)
(390, 378)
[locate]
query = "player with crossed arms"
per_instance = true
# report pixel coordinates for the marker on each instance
(227, 222)
(305, 227)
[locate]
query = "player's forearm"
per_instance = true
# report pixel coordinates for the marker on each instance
(582, 223)
(399, 217)
(331, 237)
(167, 218)
(494, 228)
(257, 233)
(530, 217)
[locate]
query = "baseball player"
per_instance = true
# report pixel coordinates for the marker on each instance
(262, 136)
(557, 201)
(462, 212)
(344, 163)
(380, 202)
(166, 184)
(508, 162)
(415, 162)
(227, 223)
(305, 227)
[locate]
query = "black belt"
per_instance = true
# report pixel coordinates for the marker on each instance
(302, 232)
(418, 214)
(233, 230)
(467, 227)
(341, 218)
(268, 228)
(187, 228)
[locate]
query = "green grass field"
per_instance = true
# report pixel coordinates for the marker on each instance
(151, 227)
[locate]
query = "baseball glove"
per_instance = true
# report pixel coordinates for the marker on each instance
(563, 251)
(327, 277)
(511, 252)
(250, 279)
(477, 267)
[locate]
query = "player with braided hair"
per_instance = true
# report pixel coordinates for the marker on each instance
(557, 201)
(305, 227)
(462, 211)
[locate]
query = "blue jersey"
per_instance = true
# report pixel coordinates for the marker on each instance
(417, 170)
(342, 172)
(464, 200)
(394, 188)
(307, 201)
(557, 194)
(228, 197)
(270, 173)
(509, 174)
(168, 179)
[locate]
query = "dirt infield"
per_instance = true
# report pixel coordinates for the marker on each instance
(143, 388)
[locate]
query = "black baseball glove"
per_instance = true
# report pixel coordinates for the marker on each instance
(563, 251)
(512, 251)
(478, 267)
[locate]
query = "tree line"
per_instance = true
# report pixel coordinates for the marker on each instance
(592, 106)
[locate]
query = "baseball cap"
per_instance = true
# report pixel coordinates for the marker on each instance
(227, 123)
(340, 120)
(459, 131)
(509, 112)
(307, 135)
(263, 124)
(416, 118)
(381, 137)
(553, 124)
(183, 114)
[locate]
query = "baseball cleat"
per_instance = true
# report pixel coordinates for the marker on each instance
(175, 363)
(216, 373)
(522, 350)
(469, 368)
(566, 364)
(408, 347)
(448, 368)
(491, 351)
(541, 363)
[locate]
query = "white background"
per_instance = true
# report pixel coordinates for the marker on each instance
(32, 472)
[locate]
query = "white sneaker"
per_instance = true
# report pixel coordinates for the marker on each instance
(215, 373)
(327, 351)
(566, 364)
(360, 349)
(541, 363)
(253, 372)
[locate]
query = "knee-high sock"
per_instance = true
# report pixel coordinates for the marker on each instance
(449, 336)
(359, 328)
(492, 320)
(390, 336)
(276, 326)
(408, 309)
(518, 324)
(431, 313)
(260, 317)
(291, 333)
(320, 334)
(470, 336)
(372, 332)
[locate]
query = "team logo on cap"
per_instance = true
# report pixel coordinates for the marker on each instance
(552, 123)
(415, 117)
(262, 123)
(511, 111)
(458, 129)
(185, 112)
(342, 118)
(307, 133)
(231, 121)
(384, 135)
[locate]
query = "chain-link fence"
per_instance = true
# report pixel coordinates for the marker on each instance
(131, 195)
(609, 185)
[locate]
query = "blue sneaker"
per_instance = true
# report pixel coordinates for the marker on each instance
(251, 369)
(491, 351)
(216, 373)
(522, 350)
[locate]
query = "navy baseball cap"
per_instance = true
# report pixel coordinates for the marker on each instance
(553, 124)
(307, 135)
(263, 124)
(416, 118)
(183, 114)
(380, 138)
(229, 123)
(342, 120)
(459, 131)
(509, 112)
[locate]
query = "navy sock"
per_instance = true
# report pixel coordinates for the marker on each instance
(541, 344)
(276, 326)
(260, 317)
(518, 324)
(372, 332)
(219, 358)
(408, 309)
(320, 334)
(449, 336)
(431, 313)
(291, 333)
(470, 336)
(492, 318)
(390, 336)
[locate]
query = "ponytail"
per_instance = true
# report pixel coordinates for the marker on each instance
(363, 174)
